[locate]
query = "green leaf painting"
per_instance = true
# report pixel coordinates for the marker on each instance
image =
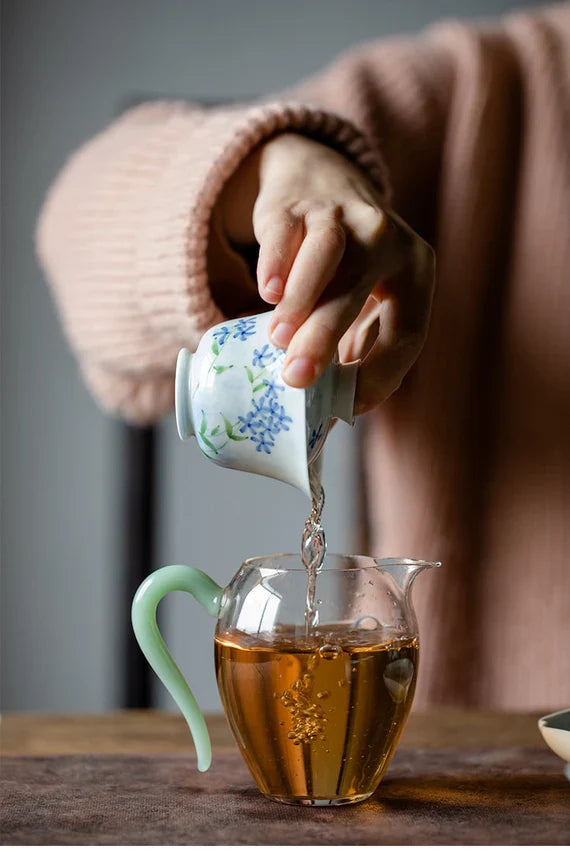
(228, 426)
(265, 416)
(209, 444)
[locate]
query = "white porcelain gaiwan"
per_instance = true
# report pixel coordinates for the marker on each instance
(231, 397)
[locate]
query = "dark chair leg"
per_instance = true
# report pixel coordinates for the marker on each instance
(139, 519)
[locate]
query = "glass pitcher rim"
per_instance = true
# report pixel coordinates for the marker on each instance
(374, 562)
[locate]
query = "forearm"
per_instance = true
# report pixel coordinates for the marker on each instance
(128, 240)
(134, 235)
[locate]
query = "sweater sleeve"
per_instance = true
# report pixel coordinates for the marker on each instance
(125, 233)
(128, 229)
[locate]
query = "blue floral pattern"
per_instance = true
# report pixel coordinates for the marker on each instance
(221, 335)
(264, 442)
(244, 328)
(315, 436)
(267, 417)
(263, 357)
(250, 423)
(273, 388)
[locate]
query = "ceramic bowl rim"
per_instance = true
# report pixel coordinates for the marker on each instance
(546, 720)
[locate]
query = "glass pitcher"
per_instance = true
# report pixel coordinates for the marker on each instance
(316, 715)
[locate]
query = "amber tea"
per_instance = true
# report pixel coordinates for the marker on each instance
(317, 717)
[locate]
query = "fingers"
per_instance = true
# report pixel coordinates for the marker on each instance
(279, 234)
(403, 311)
(314, 344)
(313, 269)
(331, 277)
(362, 334)
(384, 368)
(356, 279)
(366, 222)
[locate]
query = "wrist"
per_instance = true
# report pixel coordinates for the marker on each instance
(235, 204)
(237, 199)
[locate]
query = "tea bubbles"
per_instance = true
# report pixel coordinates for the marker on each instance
(329, 651)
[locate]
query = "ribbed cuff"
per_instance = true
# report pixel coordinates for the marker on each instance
(173, 283)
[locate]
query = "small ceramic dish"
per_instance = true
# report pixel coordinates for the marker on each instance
(555, 729)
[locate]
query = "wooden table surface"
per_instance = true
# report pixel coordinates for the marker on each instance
(149, 731)
(129, 778)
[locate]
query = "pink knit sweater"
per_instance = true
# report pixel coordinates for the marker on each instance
(470, 461)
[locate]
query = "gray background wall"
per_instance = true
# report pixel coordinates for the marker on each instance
(67, 68)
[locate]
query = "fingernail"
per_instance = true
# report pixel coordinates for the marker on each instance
(282, 334)
(274, 287)
(299, 371)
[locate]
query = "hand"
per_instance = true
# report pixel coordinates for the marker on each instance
(342, 271)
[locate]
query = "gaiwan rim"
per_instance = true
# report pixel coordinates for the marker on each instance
(372, 561)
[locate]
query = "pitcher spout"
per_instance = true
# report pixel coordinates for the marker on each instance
(404, 570)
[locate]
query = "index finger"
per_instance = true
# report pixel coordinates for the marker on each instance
(313, 268)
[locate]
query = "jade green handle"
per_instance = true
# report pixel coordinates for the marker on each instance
(176, 577)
